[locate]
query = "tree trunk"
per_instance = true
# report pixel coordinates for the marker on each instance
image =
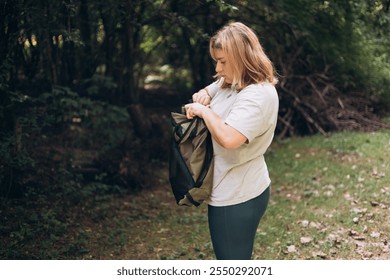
(131, 39)
(18, 131)
(109, 38)
(8, 39)
(87, 69)
(141, 122)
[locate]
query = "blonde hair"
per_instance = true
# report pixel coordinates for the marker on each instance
(245, 54)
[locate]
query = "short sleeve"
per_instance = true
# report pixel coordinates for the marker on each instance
(213, 88)
(247, 117)
(254, 111)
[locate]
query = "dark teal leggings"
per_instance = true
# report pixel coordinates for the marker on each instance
(233, 228)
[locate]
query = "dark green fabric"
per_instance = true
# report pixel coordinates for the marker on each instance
(191, 160)
(233, 228)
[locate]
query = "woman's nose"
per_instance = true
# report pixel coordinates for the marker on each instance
(218, 67)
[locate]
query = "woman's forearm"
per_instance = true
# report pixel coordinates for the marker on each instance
(225, 135)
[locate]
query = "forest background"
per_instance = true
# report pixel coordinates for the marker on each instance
(86, 87)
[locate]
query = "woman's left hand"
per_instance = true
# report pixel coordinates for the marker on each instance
(195, 109)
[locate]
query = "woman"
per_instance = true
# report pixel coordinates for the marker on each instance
(240, 110)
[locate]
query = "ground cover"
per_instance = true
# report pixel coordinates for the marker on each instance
(330, 200)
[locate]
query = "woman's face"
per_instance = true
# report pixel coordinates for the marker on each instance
(223, 67)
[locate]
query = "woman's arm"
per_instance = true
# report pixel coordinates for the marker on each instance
(225, 135)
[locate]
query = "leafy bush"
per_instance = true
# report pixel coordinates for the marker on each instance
(88, 122)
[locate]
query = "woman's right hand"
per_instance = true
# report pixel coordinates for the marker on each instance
(202, 97)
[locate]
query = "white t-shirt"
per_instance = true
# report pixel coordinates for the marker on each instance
(241, 174)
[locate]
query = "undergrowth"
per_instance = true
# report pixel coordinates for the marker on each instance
(330, 200)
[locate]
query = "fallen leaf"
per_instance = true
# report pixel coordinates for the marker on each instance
(291, 249)
(347, 196)
(377, 174)
(306, 240)
(319, 254)
(386, 190)
(367, 255)
(315, 225)
(304, 223)
(375, 234)
(358, 237)
(162, 230)
(359, 210)
(333, 251)
(330, 187)
(355, 235)
(352, 232)
(370, 216)
(374, 203)
(328, 193)
(333, 237)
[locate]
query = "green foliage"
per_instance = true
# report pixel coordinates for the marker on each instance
(340, 35)
(53, 227)
(99, 87)
(14, 167)
(100, 125)
(79, 122)
(168, 77)
(347, 41)
(16, 127)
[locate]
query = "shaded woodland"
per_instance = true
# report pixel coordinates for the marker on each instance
(86, 87)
